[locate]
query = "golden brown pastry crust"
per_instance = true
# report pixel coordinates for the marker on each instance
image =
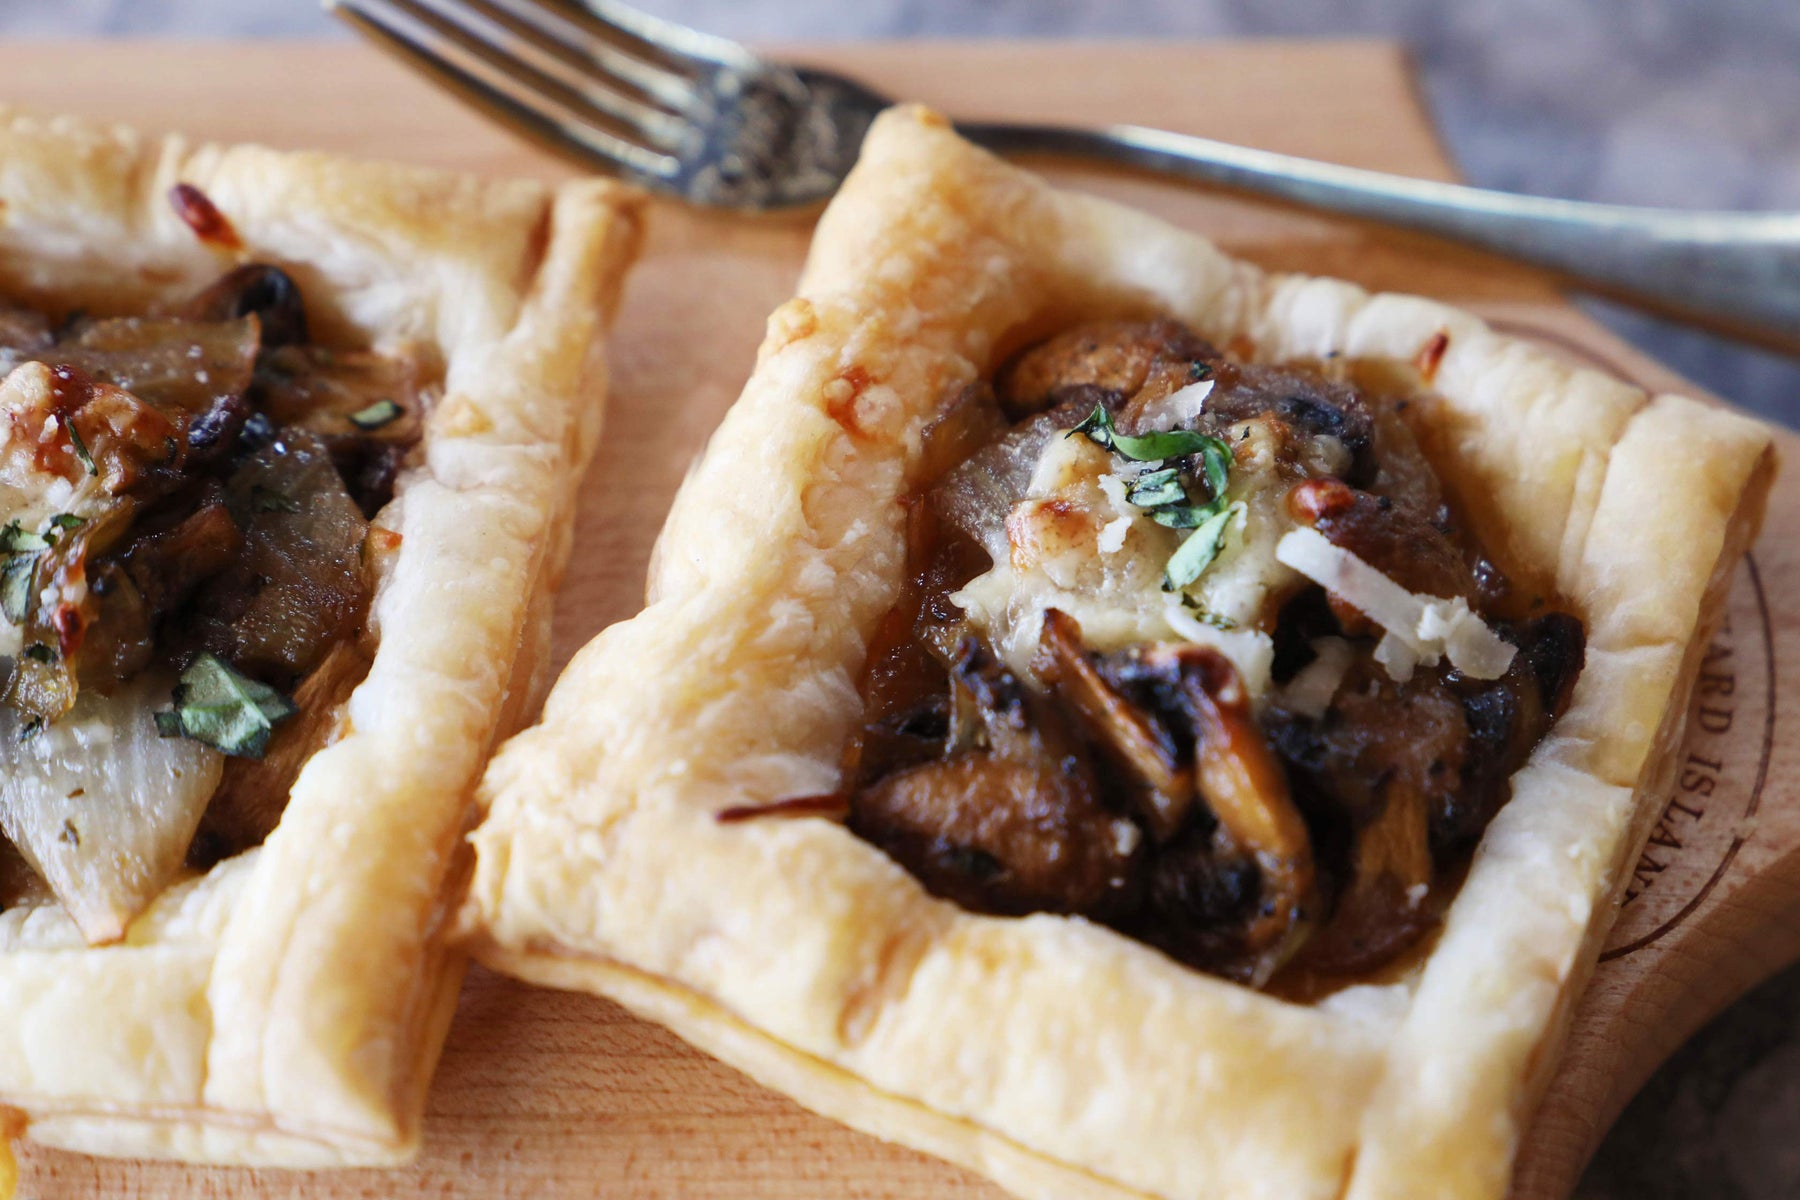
(287, 1007)
(1058, 1057)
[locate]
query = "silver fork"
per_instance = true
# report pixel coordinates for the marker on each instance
(709, 121)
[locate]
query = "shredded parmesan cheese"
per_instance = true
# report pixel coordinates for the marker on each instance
(1420, 629)
(1126, 836)
(1112, 535)
(1310, 692)
(1178, 409)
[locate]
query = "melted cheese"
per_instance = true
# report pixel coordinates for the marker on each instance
(1076, 544)
(27, 423)
(1312, 689)
(29, 494)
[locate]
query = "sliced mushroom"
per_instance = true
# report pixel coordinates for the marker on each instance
(1129, 736)
(368, 409)
(1201, 894)
(259, 289)
(1393, 538)
(298, 585)
(1242, 784)
(1382, 908)
(1505, 717)
(1010, 819)
(1304, 400)
(1110, 359)
(1003, 834)
(969, 422)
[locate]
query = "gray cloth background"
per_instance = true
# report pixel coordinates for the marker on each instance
(1686, 103)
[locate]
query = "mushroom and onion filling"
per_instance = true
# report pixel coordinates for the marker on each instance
(185, 574)
(1199, 650)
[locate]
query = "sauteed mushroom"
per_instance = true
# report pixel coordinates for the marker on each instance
(255, 289)
(1010, 820)
(1131, 739)
(1240, 781)
(1141, 786)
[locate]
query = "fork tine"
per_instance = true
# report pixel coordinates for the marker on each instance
(481, 76)
(661, 75)
(640, 32)
(488, 23)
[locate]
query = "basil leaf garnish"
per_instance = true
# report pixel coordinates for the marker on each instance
(230, 712)
(1157, 488)
(1174, 443)
(16, 539)
(1181, 516)
(1163, 495)
(1216, 460)
(1197, 553)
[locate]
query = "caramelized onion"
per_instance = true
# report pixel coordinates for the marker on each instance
(1382, 908)
(977, 495)
(253, 792)
(101, 806)
(19, 884)
(186, 365)
(298, 585)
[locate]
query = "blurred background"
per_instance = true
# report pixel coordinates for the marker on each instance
(1686, 103)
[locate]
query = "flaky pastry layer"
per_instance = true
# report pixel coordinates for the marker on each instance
(287, 1007)
(1059, 1057)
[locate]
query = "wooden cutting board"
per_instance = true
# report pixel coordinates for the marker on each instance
(550, 1095)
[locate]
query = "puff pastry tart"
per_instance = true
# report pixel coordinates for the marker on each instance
(1124, 721)
(289, 453)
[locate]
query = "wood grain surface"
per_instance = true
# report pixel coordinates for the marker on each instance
(551, 1095)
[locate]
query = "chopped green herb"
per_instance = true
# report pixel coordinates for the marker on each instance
(1215, 458)
(1157, 488)
(81, 450)
(265, 499)
(1151, 447)
(15, 539)
(15, 586)
(1198, 371)
(382, 412)
(1162, 493)
(31, 729)
(1197, 553)
(1181, 516)
(168, 723)
(38, 652)
(225, 710)
(1206, 618)
(58, 523)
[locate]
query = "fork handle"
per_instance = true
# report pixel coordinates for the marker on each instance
(1738, 273)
